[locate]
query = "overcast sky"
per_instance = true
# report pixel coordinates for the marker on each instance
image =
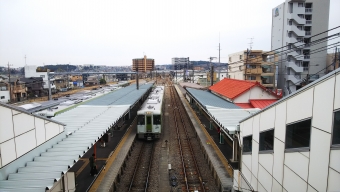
(113, 32)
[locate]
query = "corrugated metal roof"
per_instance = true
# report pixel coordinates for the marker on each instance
(229, 118)
(206, 98)
(262, 103)
(244, 105)
(85, 124)
(126, 96)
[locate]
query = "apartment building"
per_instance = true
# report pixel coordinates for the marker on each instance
(254, 66)
(180, 63)
(144, 64)
(295, 25)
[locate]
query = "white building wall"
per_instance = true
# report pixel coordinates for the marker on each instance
(4, 94)
(21, 133)
(314, 169)
(253, 93)
(235, 62)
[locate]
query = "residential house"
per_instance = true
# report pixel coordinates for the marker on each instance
(34, 71)
(245, 94)
(60, 83)
(91, 80)
(76, 81)
(17, 90)
(34, 86)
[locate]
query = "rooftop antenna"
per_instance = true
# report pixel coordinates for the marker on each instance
(250, 44)
(25, 60)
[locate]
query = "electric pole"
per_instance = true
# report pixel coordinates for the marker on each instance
(9, 82)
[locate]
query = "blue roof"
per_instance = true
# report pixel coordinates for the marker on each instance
(206, 98)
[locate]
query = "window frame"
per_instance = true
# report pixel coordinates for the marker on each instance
(266, 151)
(247, 152)
(299, 149)
(337, 145)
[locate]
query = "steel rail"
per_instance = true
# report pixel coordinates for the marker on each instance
(178, 106)
(140, 156)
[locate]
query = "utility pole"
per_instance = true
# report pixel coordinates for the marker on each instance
(336, 63)
(211, 70)
(49, 85)
(9, 82)
(137, 78)
(219, 62)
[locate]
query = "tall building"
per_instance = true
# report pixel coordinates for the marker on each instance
(180, 63)
(255, 66)
(144, 64)
(294, 22)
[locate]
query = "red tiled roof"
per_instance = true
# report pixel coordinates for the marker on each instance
(244, 105)
(261, 103)
(231, 88)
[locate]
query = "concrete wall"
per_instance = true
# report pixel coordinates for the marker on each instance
(253, 93)
(314, 169)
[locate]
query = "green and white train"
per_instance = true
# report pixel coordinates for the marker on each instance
(150, 115)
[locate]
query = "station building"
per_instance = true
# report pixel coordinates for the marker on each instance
(293, 144)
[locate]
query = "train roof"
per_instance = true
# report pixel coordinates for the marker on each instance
(154, 101)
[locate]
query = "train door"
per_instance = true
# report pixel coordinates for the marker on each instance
(148, 123)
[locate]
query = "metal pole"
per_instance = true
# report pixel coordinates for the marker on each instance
(49, 84)
(9, 82)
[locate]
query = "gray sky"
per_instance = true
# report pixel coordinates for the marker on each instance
(113, 32)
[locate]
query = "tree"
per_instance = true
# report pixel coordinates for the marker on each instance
(102, 81)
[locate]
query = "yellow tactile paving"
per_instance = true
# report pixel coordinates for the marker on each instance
(86, 162)
(109, 162)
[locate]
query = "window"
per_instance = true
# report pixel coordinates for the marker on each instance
(247, 143)
(298, 134)
(43, 76)
(300, 5)
(141, 120)
(251, 66)
(251, 78)
(229, 59)
(156, 119)
(267, 140)
(336, 128)
(2, 97)
(240, 57)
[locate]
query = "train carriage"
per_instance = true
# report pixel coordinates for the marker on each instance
(150, 115)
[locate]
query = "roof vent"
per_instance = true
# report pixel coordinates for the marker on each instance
(150, 107)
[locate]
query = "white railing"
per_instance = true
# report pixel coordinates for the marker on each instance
(308, 10)
(307, 57)
(308, 32)
(309, 22)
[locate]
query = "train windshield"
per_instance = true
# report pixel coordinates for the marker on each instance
(141, 119)
(156, 119)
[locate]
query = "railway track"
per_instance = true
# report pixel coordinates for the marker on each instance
(191, 179)
(141, 173)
